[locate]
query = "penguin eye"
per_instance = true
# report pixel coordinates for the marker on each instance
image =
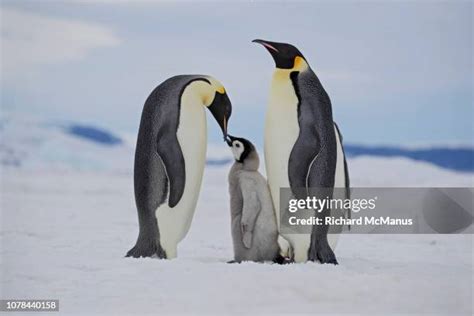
(237, 145)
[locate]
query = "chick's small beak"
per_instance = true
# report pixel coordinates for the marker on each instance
(228, 140)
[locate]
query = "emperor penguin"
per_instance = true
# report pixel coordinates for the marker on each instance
(253, 222)
(170, 157)
(303, 146)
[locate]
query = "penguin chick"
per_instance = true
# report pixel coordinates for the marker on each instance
(254, 227)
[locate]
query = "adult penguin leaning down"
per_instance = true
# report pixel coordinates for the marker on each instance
(170, 157)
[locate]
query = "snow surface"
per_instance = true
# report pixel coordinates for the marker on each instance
(65, 232)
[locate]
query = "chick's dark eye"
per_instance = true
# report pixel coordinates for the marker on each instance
(237, 145)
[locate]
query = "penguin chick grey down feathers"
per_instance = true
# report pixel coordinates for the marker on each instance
(254, 227)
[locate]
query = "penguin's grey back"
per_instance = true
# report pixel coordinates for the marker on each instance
(317, 134)
(160, 113)
(158, 125)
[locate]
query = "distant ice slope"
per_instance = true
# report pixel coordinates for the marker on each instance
(32, 144)
(93, 134)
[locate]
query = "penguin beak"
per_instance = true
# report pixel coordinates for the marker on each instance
(272, 49)
(224, 129)
(221, 109)
(268, 45)
(228, 140)
(283, 54)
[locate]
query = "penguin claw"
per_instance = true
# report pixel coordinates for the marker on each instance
(146, 250)
(329, 260)
(136, 253)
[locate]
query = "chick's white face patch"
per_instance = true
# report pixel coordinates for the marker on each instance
(237, 149)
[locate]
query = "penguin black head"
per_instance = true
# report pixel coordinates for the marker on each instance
(286, 56)
(241, 147)
(221, 109)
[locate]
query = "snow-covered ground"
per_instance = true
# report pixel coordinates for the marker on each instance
(65, 232)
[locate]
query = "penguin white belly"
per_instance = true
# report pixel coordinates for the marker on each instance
(174, 223)
(281, 133)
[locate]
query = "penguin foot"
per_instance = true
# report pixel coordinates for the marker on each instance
(282, 260)
(323, 254)
(146, 250)
(233, 261)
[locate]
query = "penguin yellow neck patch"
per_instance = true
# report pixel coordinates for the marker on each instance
(221, 90)
(300, 64)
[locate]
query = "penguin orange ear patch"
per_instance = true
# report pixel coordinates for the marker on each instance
(221, 90)
(299, 63)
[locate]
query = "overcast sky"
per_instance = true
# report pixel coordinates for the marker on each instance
(396, 72)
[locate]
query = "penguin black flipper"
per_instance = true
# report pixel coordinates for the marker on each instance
(303, 154)
(347, 191)
(159, 163)
(312, 163)
(346, 169)
(172, 157)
